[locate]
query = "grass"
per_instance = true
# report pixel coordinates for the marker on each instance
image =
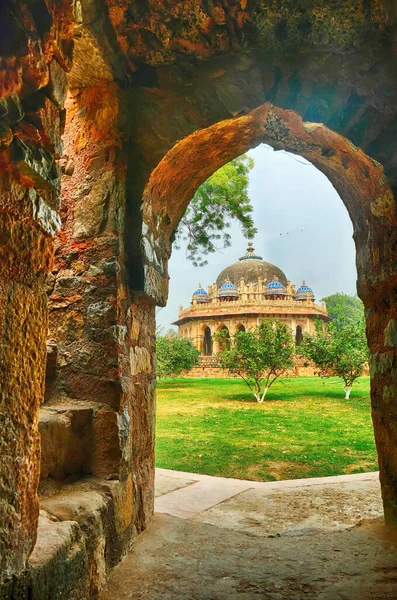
(305, 428)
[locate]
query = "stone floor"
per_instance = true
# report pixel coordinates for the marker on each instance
(213, 538)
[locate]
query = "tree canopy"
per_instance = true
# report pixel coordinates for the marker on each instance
(217, 202)
(343, 307)
(174, 355)
(341, 350)
(259, 356)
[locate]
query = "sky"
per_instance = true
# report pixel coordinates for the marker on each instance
(303, 228)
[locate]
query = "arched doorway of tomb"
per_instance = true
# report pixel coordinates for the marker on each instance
(224, 342)
(208, 344)
(240, 327)
(360, 183)
(298, 335)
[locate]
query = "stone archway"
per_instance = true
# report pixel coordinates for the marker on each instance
(364, 189)
(144, 77)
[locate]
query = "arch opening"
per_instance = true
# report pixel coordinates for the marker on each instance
(298, 336)
(359, 181)
(223, 342)
(208, 343)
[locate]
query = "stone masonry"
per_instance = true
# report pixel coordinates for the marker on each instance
(112, 113)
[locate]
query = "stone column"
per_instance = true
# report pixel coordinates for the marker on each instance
(89, 300)
(376, 286)
(104, 334)
(198, 337)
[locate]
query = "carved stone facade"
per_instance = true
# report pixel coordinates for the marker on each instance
(112, 113)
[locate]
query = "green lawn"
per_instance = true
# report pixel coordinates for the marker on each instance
(305, 428)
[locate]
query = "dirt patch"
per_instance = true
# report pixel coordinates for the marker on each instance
(363, 466)
(291, 511)
(274, 471)
(188, 560)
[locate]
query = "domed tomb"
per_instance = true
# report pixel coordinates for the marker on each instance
(251, 267)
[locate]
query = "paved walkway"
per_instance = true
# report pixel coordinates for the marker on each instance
(346, 498)
(216, 539)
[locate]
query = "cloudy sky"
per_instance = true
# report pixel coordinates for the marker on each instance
(303, 228)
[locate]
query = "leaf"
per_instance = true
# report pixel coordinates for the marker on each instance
(219, 201)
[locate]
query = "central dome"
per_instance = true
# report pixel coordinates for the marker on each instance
(251, 267)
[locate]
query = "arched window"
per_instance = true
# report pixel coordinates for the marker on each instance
(207, 342)
(241, 328)
(225, 343)
(298, 336)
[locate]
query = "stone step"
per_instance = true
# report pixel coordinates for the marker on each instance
(77, 439)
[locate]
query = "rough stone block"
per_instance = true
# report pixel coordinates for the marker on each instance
(106, 452)
(48, 121)
(11, 110)
(79, 440)
(57, 560)
(22, 337)
(140, 360)
(68, 561)
(89, 214)
(66, 438)
(36, 164)
(58, 84)
(52, 354)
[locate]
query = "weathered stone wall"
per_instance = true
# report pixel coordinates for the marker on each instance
(104, 337)
(99, 416)
(212, 75)
(208, 367)
(86, 288)
(32, 92)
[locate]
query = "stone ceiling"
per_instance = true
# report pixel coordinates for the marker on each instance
(186, 65)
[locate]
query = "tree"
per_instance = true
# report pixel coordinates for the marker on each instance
(259, 356)
(343, 307)
(174, 354)
(342, 350)
(217, 202)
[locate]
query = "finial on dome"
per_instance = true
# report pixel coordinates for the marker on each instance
(250, 253)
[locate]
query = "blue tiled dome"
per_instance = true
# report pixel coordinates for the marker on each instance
(304, 292)
(275, 287)
(228, 290)
(200, 294)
